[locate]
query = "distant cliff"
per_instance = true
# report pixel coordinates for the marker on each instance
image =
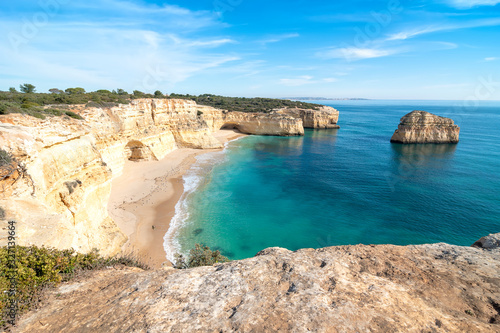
(72, 162)
(362, 288)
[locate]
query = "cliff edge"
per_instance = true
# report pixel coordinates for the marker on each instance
(374, 288)
(424, 127)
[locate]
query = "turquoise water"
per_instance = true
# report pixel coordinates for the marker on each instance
(346, 186)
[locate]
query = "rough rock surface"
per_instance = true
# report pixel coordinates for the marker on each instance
(424, 127)
(72, 162)
(252, 123)
(383, 288)
(490, 242)
(326, 117)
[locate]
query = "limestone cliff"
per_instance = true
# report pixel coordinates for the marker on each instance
(252, 123)
(72, 162)
(324, 118)
(424, 127)
(382, 288)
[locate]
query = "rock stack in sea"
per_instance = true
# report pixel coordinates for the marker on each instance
(424, 127)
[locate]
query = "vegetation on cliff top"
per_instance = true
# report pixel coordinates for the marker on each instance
(200, 255)
(242, 104)
(55, 103)
(38, 268)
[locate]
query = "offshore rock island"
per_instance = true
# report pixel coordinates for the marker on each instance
(424, 127)
(71, 163)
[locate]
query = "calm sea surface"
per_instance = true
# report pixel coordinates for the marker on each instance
(346, 186)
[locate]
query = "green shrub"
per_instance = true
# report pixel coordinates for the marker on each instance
(5, 157)
(54, 112)
(73, 115)
(200, 255)
(39, 268)
(29, 105)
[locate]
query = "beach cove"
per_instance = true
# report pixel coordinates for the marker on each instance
(144, 197)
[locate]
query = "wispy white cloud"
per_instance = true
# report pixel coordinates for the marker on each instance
(212, 43)
(491, 58)
(278, 38)
(414, 32)
(465, 4)
(305, 80)
(124, 51)
(354, 53)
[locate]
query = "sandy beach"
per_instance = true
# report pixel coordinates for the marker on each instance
(143, 199)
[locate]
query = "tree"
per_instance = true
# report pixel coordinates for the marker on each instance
(27, 88)
(55, 91)
(75, 91)
(138, 93)
(121, 92)
(158, 94)
(12, 90)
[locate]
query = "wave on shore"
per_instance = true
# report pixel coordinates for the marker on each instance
(195, 178)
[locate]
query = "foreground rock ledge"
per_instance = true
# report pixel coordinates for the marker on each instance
(424, 127)
(383, 288)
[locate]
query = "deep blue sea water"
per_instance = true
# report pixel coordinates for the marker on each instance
(346, 186)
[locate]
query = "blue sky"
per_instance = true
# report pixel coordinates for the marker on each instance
(444, 49)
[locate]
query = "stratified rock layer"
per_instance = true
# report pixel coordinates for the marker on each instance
(383, 288)
(72, 162)
(424, 127)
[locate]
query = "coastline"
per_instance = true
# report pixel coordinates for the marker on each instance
(143, 199)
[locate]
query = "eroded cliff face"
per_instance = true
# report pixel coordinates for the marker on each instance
(424, 127)
(71, 162)
(252, 123)
(324, 118)
(382, 288)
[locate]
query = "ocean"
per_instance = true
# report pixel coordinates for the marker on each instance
(346, 186)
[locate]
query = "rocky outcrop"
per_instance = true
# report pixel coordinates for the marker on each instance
(71, 162)
(252, 123)
(424, 127)
(383, 288)
(324, 118)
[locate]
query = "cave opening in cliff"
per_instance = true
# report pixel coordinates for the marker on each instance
(138, 151)
(231, 126)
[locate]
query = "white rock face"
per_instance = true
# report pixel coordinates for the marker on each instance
(424, 127)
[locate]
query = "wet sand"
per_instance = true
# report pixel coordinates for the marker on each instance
(144, 197)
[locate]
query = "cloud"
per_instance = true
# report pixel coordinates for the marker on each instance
(465, 4)
(305, 80)
(144, 47)
(278, 38)
(355, 53)
(491, 58)
(414, 32)
(212, 43)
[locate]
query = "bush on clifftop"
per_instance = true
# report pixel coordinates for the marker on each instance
(200, 255)
(38, 268)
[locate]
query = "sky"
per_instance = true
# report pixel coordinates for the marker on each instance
(394, 49)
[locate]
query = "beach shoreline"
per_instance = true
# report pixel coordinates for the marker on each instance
(143, 199)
